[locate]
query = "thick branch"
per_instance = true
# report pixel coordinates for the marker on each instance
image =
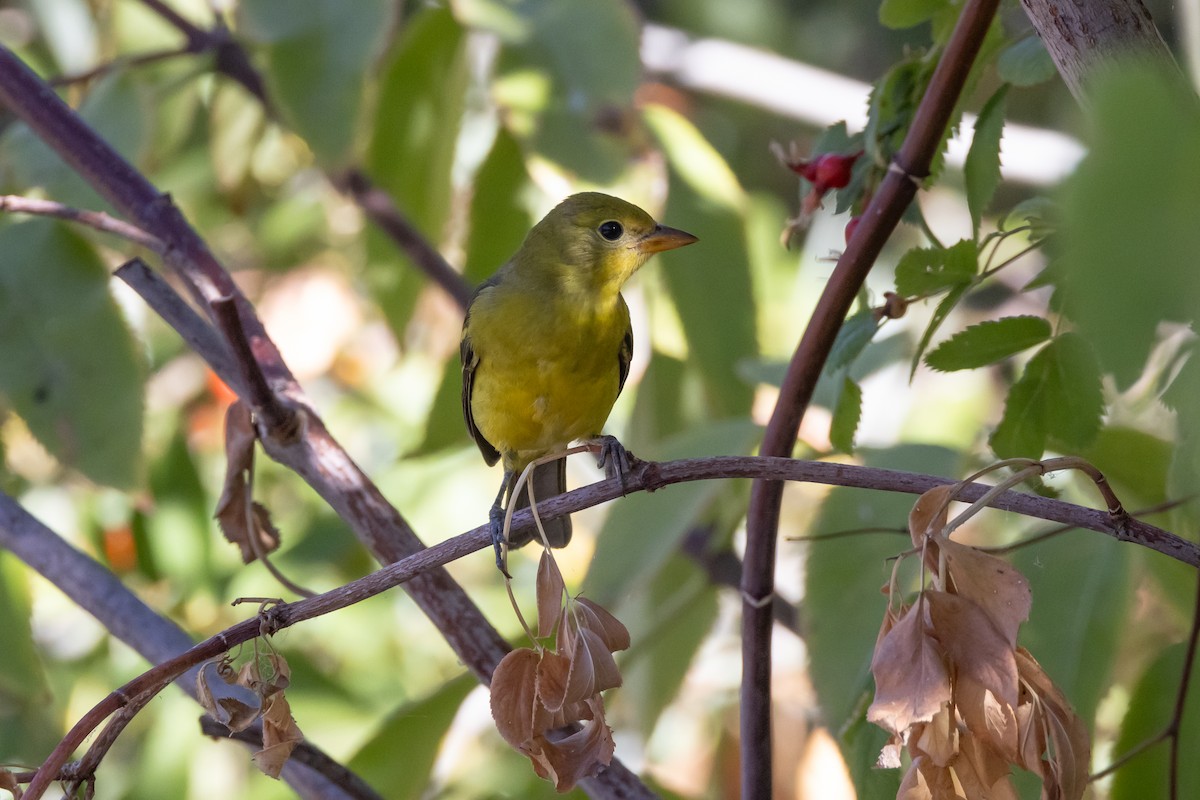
(878, 221)
(1081, 37)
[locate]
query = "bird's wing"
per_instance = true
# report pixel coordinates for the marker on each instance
(625, 353)
(470, 363)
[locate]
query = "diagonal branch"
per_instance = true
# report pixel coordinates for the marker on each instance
(762, 523)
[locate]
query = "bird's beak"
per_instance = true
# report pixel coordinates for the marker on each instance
(664, 238)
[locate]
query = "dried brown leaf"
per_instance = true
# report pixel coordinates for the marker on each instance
(938, 738)
(915, 786)
(281, 734)
(982, 773)
(514, 696)
(597, 619)
(929, 514)
(229, 703)
(231, 513)
(1065, 775)
(911, 682)
(580, 755)
(550, 589)
(1031, 741)
(995, 585)
(889, 756)
(8, 782)
(984, 669)
(569, 679)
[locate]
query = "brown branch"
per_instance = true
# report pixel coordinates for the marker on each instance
(1084, 37)
(911, 164)
(383, 211)
(15, 204)
(279, 419)
(129, 62)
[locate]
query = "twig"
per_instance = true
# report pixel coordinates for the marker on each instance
(383, 211)
(878, 220)
(129, 62)
(281, 422)
(16, 204)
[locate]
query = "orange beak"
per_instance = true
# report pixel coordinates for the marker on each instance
(664, 238)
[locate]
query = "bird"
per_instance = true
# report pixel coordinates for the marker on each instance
(546, 345)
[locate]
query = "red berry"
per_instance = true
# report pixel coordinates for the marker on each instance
(833, 170)
(851, 227)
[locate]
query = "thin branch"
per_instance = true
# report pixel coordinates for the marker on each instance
(383, 211)
(878, 221)
(280, 420)
(15, 204)
(129, 62)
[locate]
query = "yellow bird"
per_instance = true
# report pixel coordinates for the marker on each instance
(547, 341)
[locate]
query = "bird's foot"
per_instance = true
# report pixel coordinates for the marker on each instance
(612, 457)
(499, 539)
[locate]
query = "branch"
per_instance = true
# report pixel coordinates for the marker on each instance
(383, 211)
(878, 221)
(16, 204)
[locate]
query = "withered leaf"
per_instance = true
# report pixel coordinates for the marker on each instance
(929, 514)
(8, 782)
(596, 618)
(577, 756)
(982, 772)
(550, 589)
(514, 696)
(938, 738)
(984, 669)
(237, 516)
(281, 734)
(911, 682)
(1065, 775)
(995, 585)
(229, 703)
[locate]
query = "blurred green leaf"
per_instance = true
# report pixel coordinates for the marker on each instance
(935, 321)
(28, 728)
(846, 416)
(659, 409)
(643, 530)
(710, 281)
(318, 54)
(927, 270)
(418, 116)
(907, 13)
(498, 220)
(1129, 230)
(1134, 462)
(982, 168)
(236, 122)
(852, 338)
(669, 619)
(399, 757)
(445, 427)
(988, 342)
(1026, 63)
(1081, 590)
(70, 366)
(1150, 708)
(1058, 397)
(861, 742)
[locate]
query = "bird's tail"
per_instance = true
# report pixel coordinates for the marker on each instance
(548, 480)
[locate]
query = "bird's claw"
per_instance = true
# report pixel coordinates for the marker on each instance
(612, 457)
(496, 523)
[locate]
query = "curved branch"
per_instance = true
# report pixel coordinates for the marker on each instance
(878, 221)
(15, 204)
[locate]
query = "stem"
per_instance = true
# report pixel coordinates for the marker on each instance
(879, 219)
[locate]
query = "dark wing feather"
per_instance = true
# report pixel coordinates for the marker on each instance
(625, 353)
(470, 362)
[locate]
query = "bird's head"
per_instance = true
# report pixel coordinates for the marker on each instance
(596, 241)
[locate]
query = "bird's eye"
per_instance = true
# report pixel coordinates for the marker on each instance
(611, 230)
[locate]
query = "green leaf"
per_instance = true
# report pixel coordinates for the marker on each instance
(70, 367)
(924, 271)
(669, 620)
(935, 321)
(981, 170)
(1077, 624)
(710, 281)
(318, 53)
(988, 342)
(1130, 236)
(498, 221)
(1149, 711)
(1059, 397)
(846, 416)
(855, 334)
(1026, 63)
(415, 730)
(27, 717)
(907, 13)
(418, 116)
